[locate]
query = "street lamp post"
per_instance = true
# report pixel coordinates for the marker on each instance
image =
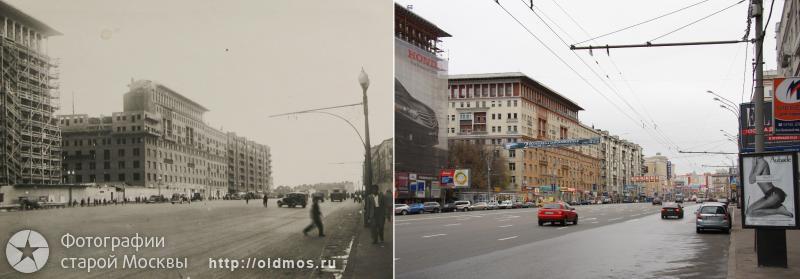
(363, 80)
(70, 173)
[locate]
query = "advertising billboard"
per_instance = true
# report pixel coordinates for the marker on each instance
(420, 109)
(771, 142)
(769, 190)
(446, 178)
(786, 107)
(461, 178)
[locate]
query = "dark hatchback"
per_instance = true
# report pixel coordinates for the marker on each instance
(670, 209)
(449, 207)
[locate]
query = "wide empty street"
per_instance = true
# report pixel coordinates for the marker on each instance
(198, 231)
(609, 241)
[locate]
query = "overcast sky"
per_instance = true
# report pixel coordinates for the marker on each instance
(244, 61)
(666, 84)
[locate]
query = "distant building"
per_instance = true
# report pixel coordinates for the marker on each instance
(621, 160)
(249, 165)
(788, 39)
(659, 167)
(383, 165)
(30, 141)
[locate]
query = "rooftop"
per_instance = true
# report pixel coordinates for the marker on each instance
(519, 75)
(17, 15)
(401, 11)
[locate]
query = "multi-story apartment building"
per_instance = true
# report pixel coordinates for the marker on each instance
(660, 167)
(788, 40)
(30, 141)
(249, 165)
(383, 164)
(495, 109)
(159, 141)
(621, 160)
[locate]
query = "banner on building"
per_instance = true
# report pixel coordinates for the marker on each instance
(552, 143)
(786, 106)
(769, 190)
(461, 178)
(446, 178)
(771, 142)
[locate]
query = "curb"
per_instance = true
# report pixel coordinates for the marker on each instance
(732, 248)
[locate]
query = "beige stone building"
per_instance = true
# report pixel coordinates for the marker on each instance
(501, 108)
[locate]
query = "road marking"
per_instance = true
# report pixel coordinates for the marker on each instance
(434, 235)
(505, 226)
(595, 222)
(456, 224)
(561, 228)
(396, 259)
(614, 219)
(591, 219)
(507, 238)
(632, 220)
(634, 215)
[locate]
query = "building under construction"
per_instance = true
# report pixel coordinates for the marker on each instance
(30, 139)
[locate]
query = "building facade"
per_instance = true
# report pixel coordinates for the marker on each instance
(159, 142)
(621, 160)
(30, 141)
(383, 165)
(788, 40)
(249, 165)
(420, 101)
(660, 168)
(501, 108)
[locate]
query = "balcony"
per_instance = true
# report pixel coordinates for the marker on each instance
(512, 120)
(472, 133)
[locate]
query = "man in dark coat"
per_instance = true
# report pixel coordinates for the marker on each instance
(377, 202)
(316, 219)
(266, 200)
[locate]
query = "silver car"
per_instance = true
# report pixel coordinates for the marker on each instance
(479, 206)
(401, 209)
(713, 216)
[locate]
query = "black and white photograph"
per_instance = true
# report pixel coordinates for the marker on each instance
(769, 184)
(196, 139)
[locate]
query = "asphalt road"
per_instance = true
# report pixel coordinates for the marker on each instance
(198, 231)
(610, 241)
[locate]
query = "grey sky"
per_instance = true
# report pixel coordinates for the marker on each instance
(667, 84)
(244, 60)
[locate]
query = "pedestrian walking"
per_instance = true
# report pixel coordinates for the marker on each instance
(388, 201)
(246, 199)
(266, 200)
(316, 220)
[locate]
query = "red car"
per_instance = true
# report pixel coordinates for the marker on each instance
(557, 212)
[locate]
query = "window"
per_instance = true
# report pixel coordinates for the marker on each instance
(136, 152)
(136, 176)
(121, 177)
(121, 164)
(121, 152)
(106, 165)
(106, 177)
(78, 166)
(512, 166)
(92, 165)
(78, 178)
(512, 153)
(135, 164)
(92, 178)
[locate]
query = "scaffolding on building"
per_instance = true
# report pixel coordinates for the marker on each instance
(29, 134)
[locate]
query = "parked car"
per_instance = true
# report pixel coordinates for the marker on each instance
(320, 196)
(700, 200)
(627, 200)
(724, 201)
(558, 212)
(573, 203)
(679, 200)
(156, 199)
(179, 198)
(518, 205)
(401, 209)
(293, 199)
(506, 204)
(463, 205)
(671, 210)
(196, 197)
(529, 205)
(432, 207)
(657, 201)
(492, 205)
(479, 206)
(416, 208)
(338, 195)
(449, 207)
(606, 200)
(713, 216)
(586, 202)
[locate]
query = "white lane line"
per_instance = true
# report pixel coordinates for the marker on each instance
(396, 259)
(634, 215)
(632, 220)
(595, 222)
(614, 219)
(591, 219)
(505, 226)
(561, 228)
(507, 238)
(434, 235)
(456, 224)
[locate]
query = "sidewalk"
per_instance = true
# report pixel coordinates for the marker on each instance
(369, 260)
(742, 260)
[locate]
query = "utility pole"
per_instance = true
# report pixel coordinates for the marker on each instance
(363, 79)
(770, 243)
